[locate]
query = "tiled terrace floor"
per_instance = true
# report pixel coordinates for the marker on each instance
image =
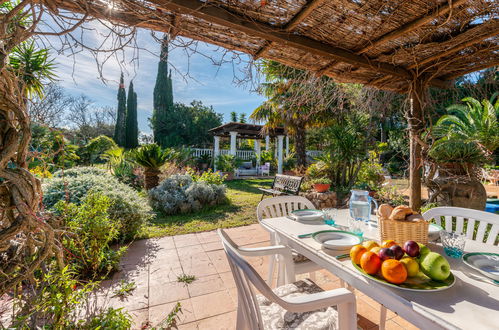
(210, 301)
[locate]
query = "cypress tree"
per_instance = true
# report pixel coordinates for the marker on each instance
(119, 128)
(163, 97)
(131, 126)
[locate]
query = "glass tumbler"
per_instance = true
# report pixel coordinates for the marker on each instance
(453, 244)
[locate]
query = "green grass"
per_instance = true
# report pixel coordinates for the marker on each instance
(241, 210)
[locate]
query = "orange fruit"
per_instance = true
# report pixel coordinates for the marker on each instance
(356, 252)
(393, 271)
(370, 262)
(388, 243)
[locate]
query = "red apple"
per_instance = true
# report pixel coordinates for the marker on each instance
(398, 253)
(411, 248)
(386, 253)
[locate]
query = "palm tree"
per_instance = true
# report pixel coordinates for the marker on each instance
(33, 66)
(474, 121)
(292, 102)
(151, 157)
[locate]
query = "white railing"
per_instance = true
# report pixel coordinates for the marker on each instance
(243, 154)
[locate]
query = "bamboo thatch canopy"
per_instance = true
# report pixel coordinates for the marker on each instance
(384, 44)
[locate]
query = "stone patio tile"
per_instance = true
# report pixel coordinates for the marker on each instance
(167, 292)
(373, 303)
(185, 240)
(190, 250)
(164, 242)
(191, 261)
(228, 279)
(205, 285)
(160, 312)
(163, 275)
(140, 317)
(199, 269)
(139, 299)
(225, 321)
(219, 260)
(132, 273)
(403, 323)
(208, 237)
(233, 294)
(212, 304)
(212, 246)
(369, 313)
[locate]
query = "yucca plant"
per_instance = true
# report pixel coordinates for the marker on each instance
(151, 157)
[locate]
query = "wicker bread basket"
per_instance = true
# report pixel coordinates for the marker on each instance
(402, 231)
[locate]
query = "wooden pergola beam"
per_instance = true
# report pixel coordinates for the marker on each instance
(482, 66)
(456, 48)
(411, 26)
(240, 23)
(294, 22)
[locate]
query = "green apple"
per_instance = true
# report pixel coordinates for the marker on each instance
(435, 266)
(423, 249)
(411, 265)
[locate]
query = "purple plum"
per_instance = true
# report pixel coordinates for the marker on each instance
(385, 254)
(411, 248)
(398, 253)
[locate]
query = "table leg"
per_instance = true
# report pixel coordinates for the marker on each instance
(382, 318)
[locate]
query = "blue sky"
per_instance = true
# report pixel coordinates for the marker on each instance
(212, 84)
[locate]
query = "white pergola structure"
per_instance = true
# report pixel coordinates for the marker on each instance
(253, 132)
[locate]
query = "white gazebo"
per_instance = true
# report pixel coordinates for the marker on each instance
(252, 132)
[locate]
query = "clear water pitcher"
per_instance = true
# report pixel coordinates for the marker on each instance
(360, 205)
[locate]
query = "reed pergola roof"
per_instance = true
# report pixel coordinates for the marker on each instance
(384, 44)
(246, 131)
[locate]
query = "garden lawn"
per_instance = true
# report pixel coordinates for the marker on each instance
(243, 196)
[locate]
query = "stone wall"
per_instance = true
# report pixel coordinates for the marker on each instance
(321, 200)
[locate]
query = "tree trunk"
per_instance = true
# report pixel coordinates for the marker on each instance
(151, 178)
(300, 148)
(416, 125)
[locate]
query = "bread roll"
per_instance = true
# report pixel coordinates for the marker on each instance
(401, 212)
(384, 211)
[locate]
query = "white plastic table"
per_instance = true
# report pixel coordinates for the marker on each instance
(469, 304)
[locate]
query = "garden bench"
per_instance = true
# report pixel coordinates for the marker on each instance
(283, 185)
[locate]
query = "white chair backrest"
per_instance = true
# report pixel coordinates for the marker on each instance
(281, 206)
(245, 276)
(472, 223)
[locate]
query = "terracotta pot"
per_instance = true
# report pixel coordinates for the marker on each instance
(321, 187)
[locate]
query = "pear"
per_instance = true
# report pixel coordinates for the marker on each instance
(434, 266)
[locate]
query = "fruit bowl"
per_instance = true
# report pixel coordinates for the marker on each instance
(420, 282)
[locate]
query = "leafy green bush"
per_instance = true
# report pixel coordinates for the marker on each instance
(227, 163)
(90, 233)
(371, 173)
(321, 181)
(456, 151)
(80, 170)
(181, 194)
(127, 207)
(95, 148)
(209, 177)
(112, 318)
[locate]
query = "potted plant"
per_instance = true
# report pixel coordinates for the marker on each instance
(204, 161)
(321, 184)
(226, 165)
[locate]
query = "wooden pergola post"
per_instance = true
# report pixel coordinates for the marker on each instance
(416, 121)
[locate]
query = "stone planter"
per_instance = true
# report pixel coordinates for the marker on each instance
(321, 187)
(455, 185)
(321, 200)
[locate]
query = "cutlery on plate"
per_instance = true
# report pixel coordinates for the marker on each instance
(343, 256)
(483, 279)
(306, 235)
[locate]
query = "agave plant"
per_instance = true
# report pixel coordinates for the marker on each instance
(151, 157)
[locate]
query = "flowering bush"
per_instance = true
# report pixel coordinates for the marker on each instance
(181, 194)
(127, 207)
(209, 177)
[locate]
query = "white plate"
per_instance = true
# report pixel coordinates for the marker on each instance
(434, 232)
(337, 239)
(485, 263)
(307, 215)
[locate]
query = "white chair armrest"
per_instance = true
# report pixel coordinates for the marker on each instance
(264, 251)
(315, 301)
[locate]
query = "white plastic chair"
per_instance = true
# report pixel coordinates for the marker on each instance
(282, 206)
(249, 306)
(265, 169)
(454, 221)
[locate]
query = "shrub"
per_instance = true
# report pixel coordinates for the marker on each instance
(77, 171)
(209, 177)
(371, 174)
(127, 207)
(90, 233)
(181, 194)
(227, 163)
(112, 318)
(95, 148)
